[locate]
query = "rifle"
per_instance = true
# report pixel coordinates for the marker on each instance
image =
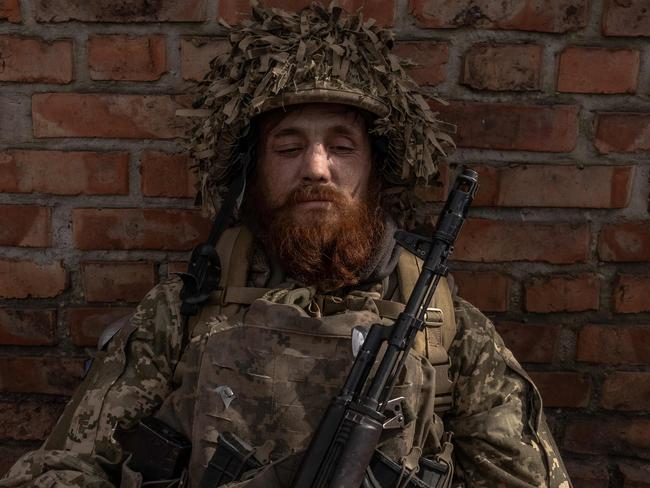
(344, 443)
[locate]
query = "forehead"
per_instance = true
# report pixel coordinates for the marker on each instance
(314, 115)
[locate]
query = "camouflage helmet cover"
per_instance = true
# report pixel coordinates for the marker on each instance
(277, 59)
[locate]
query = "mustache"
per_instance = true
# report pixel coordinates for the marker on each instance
(310, 193)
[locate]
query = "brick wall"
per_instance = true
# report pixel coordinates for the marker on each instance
(552, 107)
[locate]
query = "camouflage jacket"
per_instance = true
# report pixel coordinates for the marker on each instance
(500, 435)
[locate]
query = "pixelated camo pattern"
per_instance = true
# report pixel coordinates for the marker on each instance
(318, 54)
(501, 437)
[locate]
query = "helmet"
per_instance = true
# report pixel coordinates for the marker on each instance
(277, 59)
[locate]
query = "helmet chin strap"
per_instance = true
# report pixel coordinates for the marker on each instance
(204, 270)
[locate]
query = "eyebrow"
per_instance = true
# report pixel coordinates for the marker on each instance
(339, 129)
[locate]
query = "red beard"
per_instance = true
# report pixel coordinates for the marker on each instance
(323, 247)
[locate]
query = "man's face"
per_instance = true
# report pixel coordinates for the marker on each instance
(317, 154)
(313, 198)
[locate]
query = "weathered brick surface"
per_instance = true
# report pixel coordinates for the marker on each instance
(167, 175)
(196, 54)
(626, 391)
(598, 70)
(430, 57)
(489, 291)
(512, 127)
(635, 475)
(545, 185)
(493, 241)
(24, 279)
(563, 294)
(562, 389)
(625, 241)
(52, 375)
(87, 324)
(27, 327)
(614, 344)
(608, 434)
(533, 15)
(10, 11)
(631, 294)
(167, 229)
(28, 421)
(117, 281)
(126, 58)
(105, 115)
(31, 60)
(530, 343)
(126, 11)
(95, 192)
(622, 132)
(383, 12)
(630, 18)
(503, 67)
(64, 172)
(25, 225)
(587, 473)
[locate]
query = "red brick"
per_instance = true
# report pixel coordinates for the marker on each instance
(609, 435)
(635, 475)
(530, 15)
(51, 375)
(494, 240)
(167, 175)
(196, 54)
(620, 344)
(136, 228)
(631, 294)
(546, 185)
(626, 18)
(87, 324)
(27, 327)
(15, 120)
(32, 59)
(10, 10)
(512, 127)
(625, 241)
(177, 267)
(598, 70)
(431, 59)
(503, 67)
(22, 279)
(587, 474)
(487, 290)
(28, 421)
(117, 281)
(563, 294)
(102, 115)
(530, 343)
(25, 226)
(562, 389)
(125, 11)
(622, 132)
(35, 60)
(64, 172)
(626, 391)
(233, 11)
(126, 58)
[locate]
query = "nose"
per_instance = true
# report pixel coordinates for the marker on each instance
(316, 166)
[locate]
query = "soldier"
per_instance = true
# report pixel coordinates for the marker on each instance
(317, 117)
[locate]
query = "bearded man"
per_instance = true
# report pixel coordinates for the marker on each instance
(331, 138)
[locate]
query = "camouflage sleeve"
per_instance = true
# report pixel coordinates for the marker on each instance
(126, 382)
(501, 435)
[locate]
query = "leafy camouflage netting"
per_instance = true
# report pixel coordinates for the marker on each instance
(316, 55)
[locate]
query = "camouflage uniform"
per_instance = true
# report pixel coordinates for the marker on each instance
(500, 435)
